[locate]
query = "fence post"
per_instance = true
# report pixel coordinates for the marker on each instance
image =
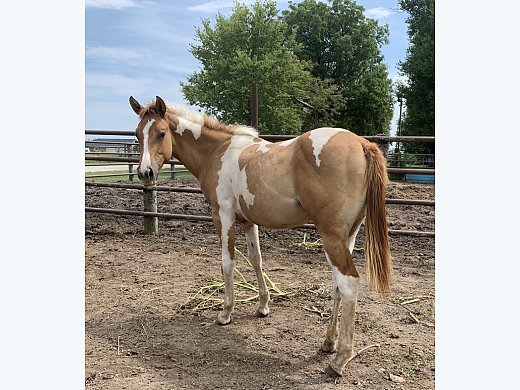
(172, 169)
(128, 151)
(383, 145)
(254, 106)
(151, 225)
(130, 172)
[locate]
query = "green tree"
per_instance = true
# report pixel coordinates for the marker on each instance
(343, 47)
(250, 47)
(324, 105)
(419, 68)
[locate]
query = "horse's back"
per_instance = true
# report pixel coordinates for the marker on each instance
(318, 174)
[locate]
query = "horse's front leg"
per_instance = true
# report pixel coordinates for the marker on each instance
(254, 254)
(225, 225)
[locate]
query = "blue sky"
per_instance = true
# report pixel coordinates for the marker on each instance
(43, 81)
(141, 48)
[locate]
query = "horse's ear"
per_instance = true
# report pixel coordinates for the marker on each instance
(160, 106)
(135, 105)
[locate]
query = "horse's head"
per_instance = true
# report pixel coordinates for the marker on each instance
(155, 139)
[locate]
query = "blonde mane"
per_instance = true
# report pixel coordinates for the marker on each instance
(209, 122)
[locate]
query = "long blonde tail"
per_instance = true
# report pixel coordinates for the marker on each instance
(377, 245)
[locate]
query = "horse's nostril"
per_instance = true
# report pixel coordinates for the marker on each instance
(149, 173)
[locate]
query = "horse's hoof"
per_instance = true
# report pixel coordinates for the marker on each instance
(223, 320)
(328, 346)
(261, 313)
(331, 371)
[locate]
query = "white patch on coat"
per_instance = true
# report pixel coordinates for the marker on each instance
(232, 182)
(319, 138)
(184, 124)
(346, 284)
(262, 146)
(146, 160)
(227, 220)
(287, 142)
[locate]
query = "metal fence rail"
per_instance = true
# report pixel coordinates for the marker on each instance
(188, 217)
(150, 215)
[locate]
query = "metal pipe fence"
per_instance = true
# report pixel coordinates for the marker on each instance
(150, 214)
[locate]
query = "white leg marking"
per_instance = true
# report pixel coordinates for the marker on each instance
(253, 251)
(319, 138)
(146, 160)
(348, 287)
(346, 284)
(228, 266)
(227, 221)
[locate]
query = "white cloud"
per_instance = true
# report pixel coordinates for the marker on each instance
(117, 84)
(379, 13)
(216, 5)
(112, 53)
(140, 59)
(111, 4)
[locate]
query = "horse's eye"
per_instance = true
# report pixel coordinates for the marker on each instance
(162, 135)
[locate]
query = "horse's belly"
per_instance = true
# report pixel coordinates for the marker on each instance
(275, 213)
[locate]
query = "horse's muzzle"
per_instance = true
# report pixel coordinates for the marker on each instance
(146, 176)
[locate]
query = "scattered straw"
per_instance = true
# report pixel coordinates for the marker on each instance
(308, 245)
(208, 296)
(314, 309)
(356, 354)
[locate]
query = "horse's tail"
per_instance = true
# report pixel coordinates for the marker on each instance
(377, 245)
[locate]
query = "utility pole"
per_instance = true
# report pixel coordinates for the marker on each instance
(400, 100)
(254, 106)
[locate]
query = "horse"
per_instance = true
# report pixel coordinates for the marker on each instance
(329, 176)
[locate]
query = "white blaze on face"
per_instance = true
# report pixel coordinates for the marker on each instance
(346, 284)
(146, 160)
(195, 128)
(319, 138)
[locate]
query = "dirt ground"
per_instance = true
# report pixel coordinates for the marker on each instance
(144, 329)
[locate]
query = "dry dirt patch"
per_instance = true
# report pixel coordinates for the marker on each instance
(141, 334)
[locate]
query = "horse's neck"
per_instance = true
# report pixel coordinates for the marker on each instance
(195, 154)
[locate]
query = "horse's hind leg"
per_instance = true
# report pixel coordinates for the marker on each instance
(253, 251)
(346, 279)
(329, 345)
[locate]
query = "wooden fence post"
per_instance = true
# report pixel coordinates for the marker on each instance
(383, 145)
(151, 225)
(254, 106)
(172, 169)
(130, 172)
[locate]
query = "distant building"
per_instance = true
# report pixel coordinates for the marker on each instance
(112, 145)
